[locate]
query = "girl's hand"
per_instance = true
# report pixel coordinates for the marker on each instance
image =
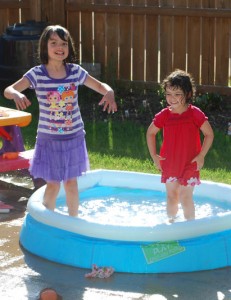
(21, 101)
(157, 159)
(199, 159)
(14, 92)
(108, 102)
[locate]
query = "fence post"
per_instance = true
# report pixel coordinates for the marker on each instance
(35, 10)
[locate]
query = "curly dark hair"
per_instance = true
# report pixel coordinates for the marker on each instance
(64, 35)
(183, 80)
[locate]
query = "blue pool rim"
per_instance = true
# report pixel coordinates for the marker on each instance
(197, 253)
(203, 253)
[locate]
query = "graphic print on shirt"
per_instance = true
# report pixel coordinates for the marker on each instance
(61, 105)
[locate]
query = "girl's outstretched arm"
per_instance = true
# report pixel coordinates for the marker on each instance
(13, 92)
(108, 100)
(207, 143)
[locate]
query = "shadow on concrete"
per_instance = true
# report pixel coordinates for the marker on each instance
(71, 283)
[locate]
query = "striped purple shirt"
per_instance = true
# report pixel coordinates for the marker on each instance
(58, 99)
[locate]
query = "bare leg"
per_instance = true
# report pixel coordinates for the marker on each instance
(72, 196)
(186, 199)
(172, 189)
(50, 195)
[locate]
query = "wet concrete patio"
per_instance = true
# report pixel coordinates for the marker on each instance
(24, 275)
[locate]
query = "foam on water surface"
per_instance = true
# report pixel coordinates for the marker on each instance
(135, 207)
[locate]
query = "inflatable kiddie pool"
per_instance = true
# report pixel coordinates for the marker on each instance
(202, 244)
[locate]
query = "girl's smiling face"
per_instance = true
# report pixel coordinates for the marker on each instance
(175, 98)
(57, 48)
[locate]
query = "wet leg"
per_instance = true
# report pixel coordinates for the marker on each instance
(172, 189)
(50, 195)
(72, 196)
(186, 199)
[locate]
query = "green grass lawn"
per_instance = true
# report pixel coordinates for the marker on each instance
(121, 145)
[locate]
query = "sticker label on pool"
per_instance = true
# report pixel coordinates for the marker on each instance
(158, 251)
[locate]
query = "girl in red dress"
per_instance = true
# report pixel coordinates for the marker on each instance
(181, 155)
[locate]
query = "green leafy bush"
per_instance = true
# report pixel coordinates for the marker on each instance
(208, 101)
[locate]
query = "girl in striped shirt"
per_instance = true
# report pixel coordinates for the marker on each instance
(60, 151)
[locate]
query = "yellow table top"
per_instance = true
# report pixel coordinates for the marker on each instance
(9, 116)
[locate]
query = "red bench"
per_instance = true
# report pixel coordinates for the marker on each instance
(21, 162)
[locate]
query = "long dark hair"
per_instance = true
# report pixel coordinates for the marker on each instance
(64, 35)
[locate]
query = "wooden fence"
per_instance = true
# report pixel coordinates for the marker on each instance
(141, 41)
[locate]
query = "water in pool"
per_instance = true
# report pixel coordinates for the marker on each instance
(135, 207)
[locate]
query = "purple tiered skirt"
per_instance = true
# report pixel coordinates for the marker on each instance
(60, 158)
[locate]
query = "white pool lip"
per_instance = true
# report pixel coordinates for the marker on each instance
(160, 232)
